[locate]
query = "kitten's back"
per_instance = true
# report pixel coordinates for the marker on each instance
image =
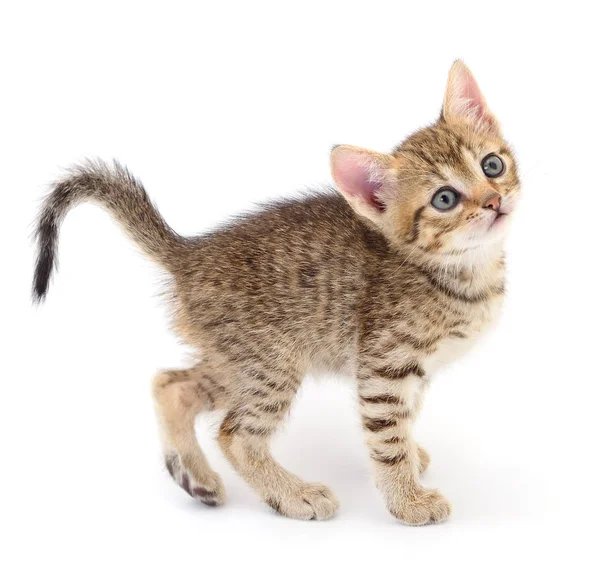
(287, 276)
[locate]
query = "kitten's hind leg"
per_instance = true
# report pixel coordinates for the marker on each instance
(180, 396)
(245, 436)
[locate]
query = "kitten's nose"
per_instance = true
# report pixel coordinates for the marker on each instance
(493, 202)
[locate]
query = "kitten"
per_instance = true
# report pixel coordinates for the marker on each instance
(385, 282)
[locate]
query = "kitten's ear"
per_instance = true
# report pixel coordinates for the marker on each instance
(464, 100)
(366, 179)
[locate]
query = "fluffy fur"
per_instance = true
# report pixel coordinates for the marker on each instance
(369, 280)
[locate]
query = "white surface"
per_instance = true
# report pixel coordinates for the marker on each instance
(216, 106)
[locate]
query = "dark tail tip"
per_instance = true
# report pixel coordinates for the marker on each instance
(41, 279)
(46, 236)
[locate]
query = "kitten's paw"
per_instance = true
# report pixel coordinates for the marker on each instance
(307, 502)
(424, 459)
(209, 489)
(424, 507)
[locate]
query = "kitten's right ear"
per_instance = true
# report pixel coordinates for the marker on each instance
(365, 178)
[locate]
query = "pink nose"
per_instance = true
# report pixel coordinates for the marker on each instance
(493, 202)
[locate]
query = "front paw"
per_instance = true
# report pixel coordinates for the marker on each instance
(422, 507)
(305, 502)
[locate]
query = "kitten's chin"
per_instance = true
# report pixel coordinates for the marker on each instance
(498, 229)
(491, 233)
(483, 243)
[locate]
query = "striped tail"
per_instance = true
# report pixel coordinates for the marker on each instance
(115, 189)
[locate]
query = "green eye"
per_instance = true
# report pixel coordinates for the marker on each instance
(445, 199)
(492, 166)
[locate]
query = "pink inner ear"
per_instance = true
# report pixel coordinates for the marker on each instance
(469, 91)
(354, 176)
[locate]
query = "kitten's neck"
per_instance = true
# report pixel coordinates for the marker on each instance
(471, 274)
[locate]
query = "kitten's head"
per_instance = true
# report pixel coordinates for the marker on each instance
(448, 189)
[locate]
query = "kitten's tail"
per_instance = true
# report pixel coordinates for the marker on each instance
(123, 196)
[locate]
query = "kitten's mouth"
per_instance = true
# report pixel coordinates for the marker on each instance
(498, 220)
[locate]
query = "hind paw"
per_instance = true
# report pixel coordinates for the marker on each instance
(207, 488)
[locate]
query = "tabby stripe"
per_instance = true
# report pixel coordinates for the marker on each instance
(413, 341)
(393, 440)
(245, 353)
(273, 407)
(259, 376)
(394, 373)
(389, 461)
(276, 386)
(231, 423)
(458, 334)
(414, 232)
(376, 425)
(258, 431)
(258, 393)
(381, 399)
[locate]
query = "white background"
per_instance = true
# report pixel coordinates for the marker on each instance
(218, 105)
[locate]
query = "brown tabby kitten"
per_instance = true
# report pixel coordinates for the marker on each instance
(386, 282)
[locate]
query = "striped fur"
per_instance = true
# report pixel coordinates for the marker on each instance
(373, 282)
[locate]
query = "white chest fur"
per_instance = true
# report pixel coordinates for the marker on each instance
(459, 342)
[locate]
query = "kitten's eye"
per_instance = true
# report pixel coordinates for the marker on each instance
(492, 166)
(445, 199)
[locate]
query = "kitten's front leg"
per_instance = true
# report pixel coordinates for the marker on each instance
(389, 402)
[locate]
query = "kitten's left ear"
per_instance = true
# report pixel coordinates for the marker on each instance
(366, 179)
(464, 100)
